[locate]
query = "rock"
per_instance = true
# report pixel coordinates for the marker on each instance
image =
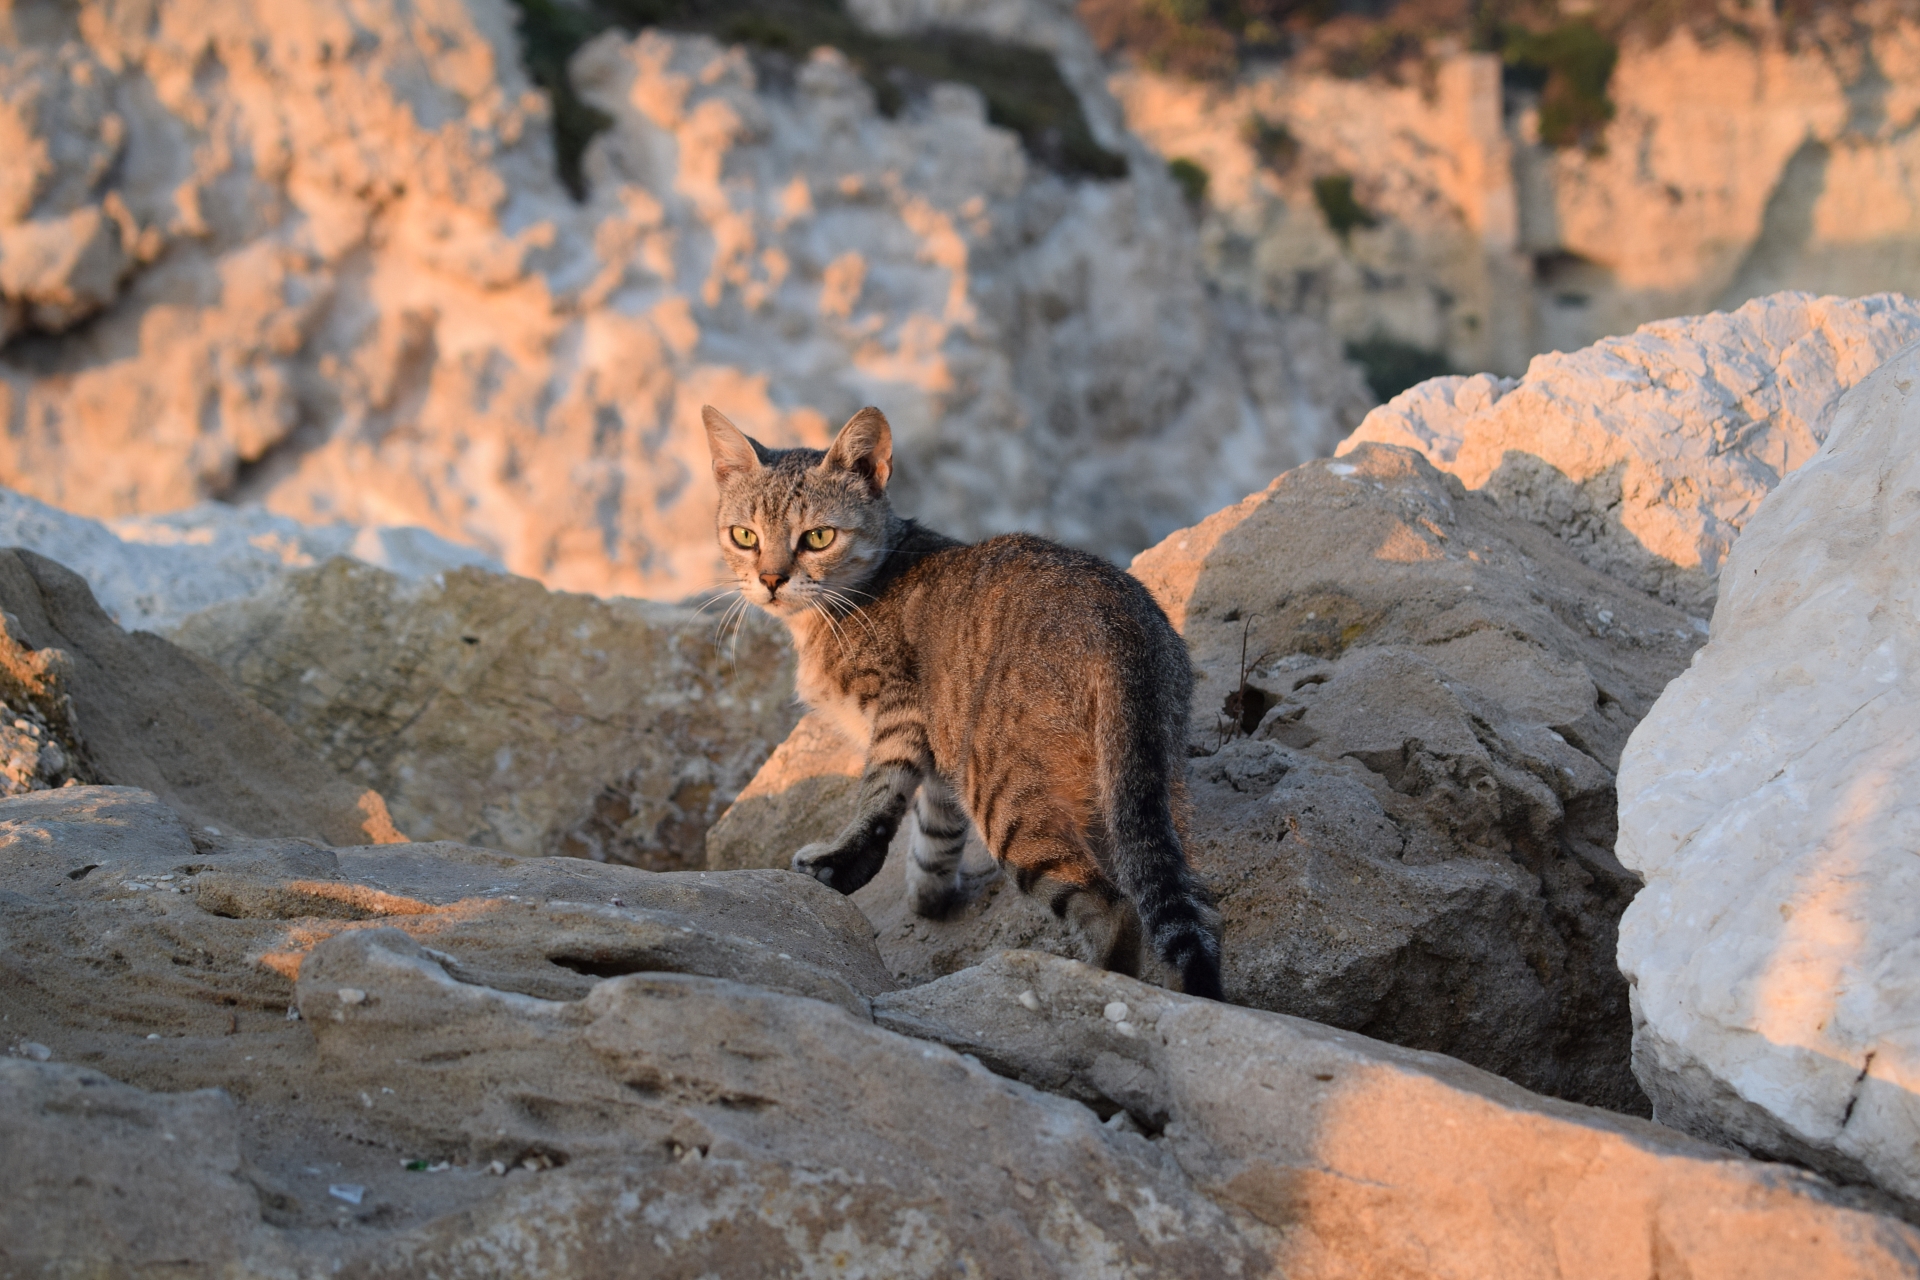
(1729, 169)
(150, 572)
(1769, 799)
(105, 706)
(103, 1171)
(1408, 814)
(674, 1114)
(802, 793)
(358, 291)
(1371, 1160)
(491, 711)
(1649, 453)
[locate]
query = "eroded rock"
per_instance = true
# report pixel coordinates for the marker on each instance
(1769, 798)
(329, 265)
(1648, 453)
(640, 1098)
(104, 706)
(1372, 1160)
(492, 711)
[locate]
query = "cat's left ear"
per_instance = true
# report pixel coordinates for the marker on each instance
(865, 447)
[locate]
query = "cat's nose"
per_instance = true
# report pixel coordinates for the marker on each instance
(773, 581)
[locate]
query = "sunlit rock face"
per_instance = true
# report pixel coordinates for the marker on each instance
(1729, 170)
(1648, 453)
(1769, 800)
(321, 259)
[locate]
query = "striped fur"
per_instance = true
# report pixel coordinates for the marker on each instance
(1033, 691)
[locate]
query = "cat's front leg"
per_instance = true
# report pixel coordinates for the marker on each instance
(896, 763)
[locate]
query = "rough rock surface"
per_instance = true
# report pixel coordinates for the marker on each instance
(329, 265)
(1648, 453)
(1772, 801)
(1409, 816)
(100, 705)
(1730, 169)
(681, 1074)
(492, 711)
(1377, 1161)
(149, 572)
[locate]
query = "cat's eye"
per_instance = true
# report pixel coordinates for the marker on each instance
(744, 538)
(818, 539)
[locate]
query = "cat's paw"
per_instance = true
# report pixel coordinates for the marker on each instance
(817, 860)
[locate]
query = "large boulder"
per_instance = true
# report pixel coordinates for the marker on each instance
(1374, 1161)
(1772, 801)
(1409, 708)
(340, 274)
(273, 1057)
(87, 702)
(1648, 453)
(149, 572)
(492, 711)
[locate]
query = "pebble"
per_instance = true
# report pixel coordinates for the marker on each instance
(1117, 1011)
(351, 1192)
(352, 995)
(38, 1052)
(1030, 1001)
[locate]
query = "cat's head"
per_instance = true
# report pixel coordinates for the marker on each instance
(799, 527)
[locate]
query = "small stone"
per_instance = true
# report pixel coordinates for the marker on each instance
(352, 995)
(1117, 1011)
(497, 1168)
(1029, 1001)
(38, 1052)
(153, 1035)
(351, 1192)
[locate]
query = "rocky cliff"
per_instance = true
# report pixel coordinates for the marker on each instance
(323, 260)
(1408, 192)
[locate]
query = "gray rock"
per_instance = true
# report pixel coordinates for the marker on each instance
(492, 711)
(1371, 1160)
(134, 709)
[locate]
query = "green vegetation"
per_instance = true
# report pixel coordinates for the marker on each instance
(1333, 192)
(1273, 144)
(1391, 366)
(1021, 85)
(1569, 65)
(1192, 178)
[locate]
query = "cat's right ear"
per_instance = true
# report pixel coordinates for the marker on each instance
(734, 453)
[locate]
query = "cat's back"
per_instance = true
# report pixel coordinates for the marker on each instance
(1021, 590)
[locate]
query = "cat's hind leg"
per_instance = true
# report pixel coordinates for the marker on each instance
(1062, 873)
(937, 837)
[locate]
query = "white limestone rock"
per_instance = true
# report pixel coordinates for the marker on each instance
(358, 291)
(1650, 452)
(1771, 800)
(150, 572)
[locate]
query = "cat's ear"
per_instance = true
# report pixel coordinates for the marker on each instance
(865, 447)
(734, 452)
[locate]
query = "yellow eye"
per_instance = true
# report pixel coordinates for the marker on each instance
(818, 539)
(744, 538)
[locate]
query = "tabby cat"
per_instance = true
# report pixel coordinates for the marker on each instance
(1031, 689)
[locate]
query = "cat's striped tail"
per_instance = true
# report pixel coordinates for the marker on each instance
(1144, 750)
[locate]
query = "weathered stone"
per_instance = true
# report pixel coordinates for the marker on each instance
(1772, 801)
(1649, 453)
(136, 710)
(491, 711)
(150, 572)
(1730, 168)
(343, 277)
(1376, 1161)
(1408, 814)
(672, 1115)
